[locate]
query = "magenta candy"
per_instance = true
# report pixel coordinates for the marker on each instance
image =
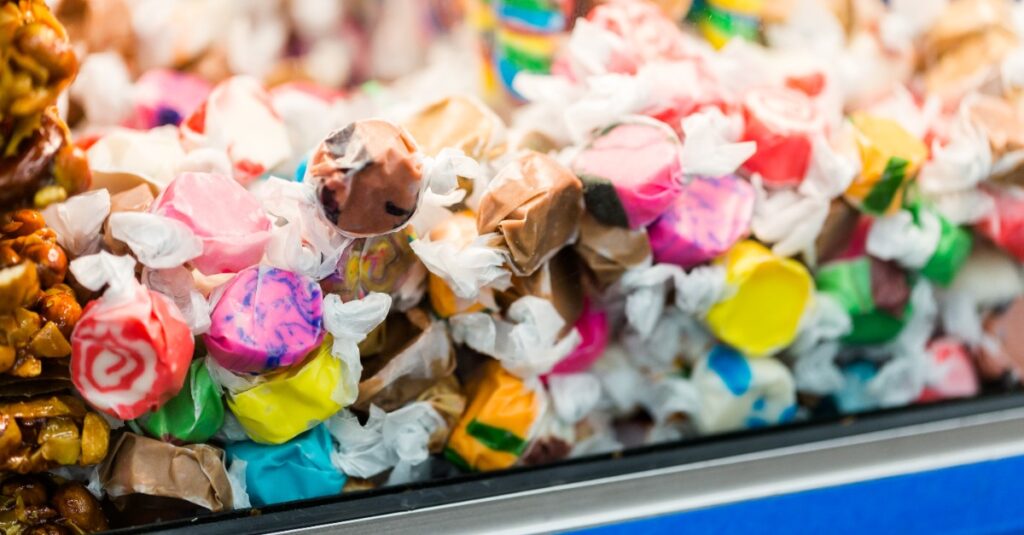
(631, 173)
(223, 215)
(593, 329)
(704, 222)
(265, 318)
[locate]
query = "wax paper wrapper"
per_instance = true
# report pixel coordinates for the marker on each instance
(534, 205)
(194, 473)
(737, 392)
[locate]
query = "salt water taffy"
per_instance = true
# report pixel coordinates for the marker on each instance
(264, 318)
(367, 177)
(227, 219)
(738, 392)
(876, 295)
(460, 122)
(608, 251)
(194, 473)
(890, 159)
(923, 241)
(239, 119)
(783, 123)
(1003, 350)
(499, 422)
(594, 334)
(460, 265)
(771, 294)
(194, 415)
(165, 97)
(534, 205)
(707, 219)
(951, 371)
(631, 172)
(274, 408)
(722, 20)
(1005, 224)
(132, 348)
(296, 470)
(383, 264)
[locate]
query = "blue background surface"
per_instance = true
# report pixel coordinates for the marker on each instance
(984, 498)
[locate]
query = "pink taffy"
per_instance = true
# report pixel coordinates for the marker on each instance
(130, 353)
(239, 119)
(1005, 225)
(705, 221)
(953, 374)
(220, 212)
(265, 318)
(164, 96)
(631, 173)
(593, 329)
(782, 122)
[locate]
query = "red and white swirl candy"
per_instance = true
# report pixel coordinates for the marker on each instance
(783, 123)
(130, 353)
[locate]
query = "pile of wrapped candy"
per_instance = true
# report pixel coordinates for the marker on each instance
(246, 280)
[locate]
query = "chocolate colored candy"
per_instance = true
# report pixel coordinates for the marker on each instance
(535, 204)
(367, 177)
(608, 251)
(194, 473)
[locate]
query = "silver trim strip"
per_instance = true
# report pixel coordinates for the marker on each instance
(905, 450)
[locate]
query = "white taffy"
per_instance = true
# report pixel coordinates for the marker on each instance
(574, 395)
(124, 158)
(103, 87)
(950, 177)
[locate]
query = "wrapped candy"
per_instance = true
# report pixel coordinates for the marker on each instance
(44, 432)
(239, 119)
(705, 221)
(166, 97)
(415, 355)
(459, 230)
(298, 469)
(875, 294)
(263, 319)
(953, 374)
(459, 122)
(890, 158)
(384, 264)
(49, 504)
(131, 349)
(737, 392)
(223, 215)
(275, 411)
(367, 178)
(1003, 349)
(123, 159)
(193, 473)
(534, 205)
(771, 294)
(782, 122)
(722, 20)
(1005, 225)
(527, 35)
(498, 423)
(594, 333)
(632, 173)
(194, 415)
(921, 240)
(609, 251)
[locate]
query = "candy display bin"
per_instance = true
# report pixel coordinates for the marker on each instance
(953, 466)
(513, 266)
